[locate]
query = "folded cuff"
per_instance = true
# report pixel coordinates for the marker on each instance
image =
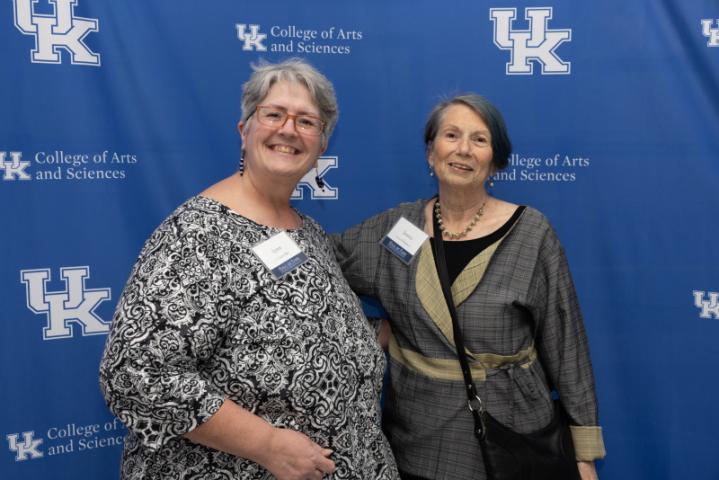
(588, 443)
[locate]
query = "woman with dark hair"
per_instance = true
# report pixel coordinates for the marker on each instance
(237, 350)
(515, 305)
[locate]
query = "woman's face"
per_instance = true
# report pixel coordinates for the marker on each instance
(461, 154)
(282, 151)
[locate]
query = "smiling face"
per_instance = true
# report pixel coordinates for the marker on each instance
(461, 153)
(281, 154)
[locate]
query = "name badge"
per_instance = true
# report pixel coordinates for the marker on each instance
(404, 240)
(280, 254)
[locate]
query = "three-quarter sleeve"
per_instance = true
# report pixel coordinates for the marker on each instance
(166, 326)
(564, 349)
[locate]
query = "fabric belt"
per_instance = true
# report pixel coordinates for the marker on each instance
(482, 365)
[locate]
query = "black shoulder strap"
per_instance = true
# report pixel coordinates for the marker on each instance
(474, 403)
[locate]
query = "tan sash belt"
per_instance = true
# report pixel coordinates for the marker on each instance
(448, 368)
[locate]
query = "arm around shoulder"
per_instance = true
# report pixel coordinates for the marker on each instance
(358, 253)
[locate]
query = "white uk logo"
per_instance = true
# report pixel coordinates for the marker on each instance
(325, 192)
(711, 33)
(29, 446)
(253, 39)
(76, 304)
(15, 168)
(536, 44)
(62, 30)
(708, 307)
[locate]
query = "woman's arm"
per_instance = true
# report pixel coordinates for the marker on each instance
(359, 254)
(285, 453)
(587, 471)
(564, 349)
(385, 331)
(173, 314)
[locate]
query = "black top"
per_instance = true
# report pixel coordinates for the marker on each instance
(458, 253)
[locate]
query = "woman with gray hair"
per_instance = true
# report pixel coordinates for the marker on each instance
(237, 350)
(493, 273)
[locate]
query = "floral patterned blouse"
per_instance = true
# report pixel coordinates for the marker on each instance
(202, 320)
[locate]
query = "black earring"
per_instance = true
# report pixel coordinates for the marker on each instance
(318, 180)
(241, 166)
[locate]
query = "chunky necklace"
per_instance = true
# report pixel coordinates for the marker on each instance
(457, 236)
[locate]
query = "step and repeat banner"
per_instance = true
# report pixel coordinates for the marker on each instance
(114, 112)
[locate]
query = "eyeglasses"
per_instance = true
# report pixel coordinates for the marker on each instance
(276, 117)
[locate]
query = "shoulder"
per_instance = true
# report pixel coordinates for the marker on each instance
(197, 213)
(313, 228)
(200, 211)
(372, 229)
(195, 242)
(536, 228)
(533, 230)
(412, 208)
(311, 224)
(199, 220)
(534, 219)
(412, 211)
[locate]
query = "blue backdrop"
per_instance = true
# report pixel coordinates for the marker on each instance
(115, 112)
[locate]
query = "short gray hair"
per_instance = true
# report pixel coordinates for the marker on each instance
(295, 70)
(501, 144)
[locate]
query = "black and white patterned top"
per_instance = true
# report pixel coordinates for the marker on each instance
(201, 319)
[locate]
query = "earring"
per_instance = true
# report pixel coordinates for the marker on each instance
(241, 166)
(491, 182)
(431, 171)
(318, 180)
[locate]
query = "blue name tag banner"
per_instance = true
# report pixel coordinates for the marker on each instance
(396, 249)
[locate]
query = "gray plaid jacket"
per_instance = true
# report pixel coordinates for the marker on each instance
(519, 312)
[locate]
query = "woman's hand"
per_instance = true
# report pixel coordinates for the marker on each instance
(292, 455)
(383, 334)
(587, 471)
(287, 454)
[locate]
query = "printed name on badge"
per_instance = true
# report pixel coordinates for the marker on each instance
(404, 239)
(280, 254)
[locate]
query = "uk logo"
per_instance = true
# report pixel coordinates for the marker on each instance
(537, 44)
(60, 31)
(711, 33)
(29, 447)
(309, 181)
(14, 169)
(253, 39)
(73, 306)
(709, 306)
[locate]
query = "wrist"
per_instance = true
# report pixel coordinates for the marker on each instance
(261, 447)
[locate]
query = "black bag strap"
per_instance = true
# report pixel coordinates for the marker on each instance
(474, 403)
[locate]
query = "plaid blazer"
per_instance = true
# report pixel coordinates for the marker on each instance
(518, 309)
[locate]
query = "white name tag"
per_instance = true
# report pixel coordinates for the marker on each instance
(404, 240)
(280, 254)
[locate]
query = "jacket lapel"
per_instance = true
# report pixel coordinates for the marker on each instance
(429, 289)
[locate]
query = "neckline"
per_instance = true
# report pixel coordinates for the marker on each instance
(496, 233)
(422, 202)
(225, 209)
